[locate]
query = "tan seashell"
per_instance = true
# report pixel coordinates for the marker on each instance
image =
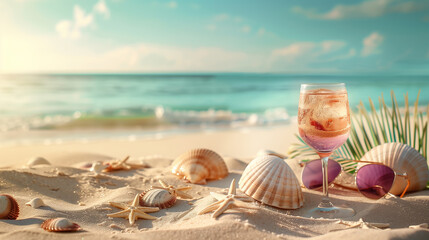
(270, 180)
(199, 165)
(402, 159)
(60, 225)
(36, 203)
(37, 161)
(9, 208)
(263, 152)
(157, 198)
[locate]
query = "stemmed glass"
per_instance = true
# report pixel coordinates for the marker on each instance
(324, 124)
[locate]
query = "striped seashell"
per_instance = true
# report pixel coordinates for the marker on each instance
(270, 180)
(199, 165)
(9, 208)
(157, 198)
(402, 159)
(36, 203)
(60, 225)
(263, 152)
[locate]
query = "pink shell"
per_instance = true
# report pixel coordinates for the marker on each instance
(9, 207)
(60, 225)
(157, 198)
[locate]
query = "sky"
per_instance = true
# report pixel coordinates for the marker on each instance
(276, 36)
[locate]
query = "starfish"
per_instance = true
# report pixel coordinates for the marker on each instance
(178, 192)
(133, 212)
(364, 225)
(122, 165)
(232, 200)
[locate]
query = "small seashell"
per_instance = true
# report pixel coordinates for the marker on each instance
(199, 165)
(263, 152)
(402, 159)
(60, 225)
(157, 198)
(36, 203)
(9, 208)
(420, 226)
(37, 161)
(97, 168)
(270, 180)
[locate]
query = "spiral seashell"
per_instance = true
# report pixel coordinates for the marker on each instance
(36, 203)
(270, 180)
(37, 161)
(402, 159)
(199, 165)
(60, 225)
(9, 208)
(157, 198)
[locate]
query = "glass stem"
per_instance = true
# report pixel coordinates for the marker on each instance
(325, 200)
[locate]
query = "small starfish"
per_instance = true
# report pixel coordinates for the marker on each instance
(232, 200)
(364, 225)
(122, 165)
(178, 192)
(133, 212)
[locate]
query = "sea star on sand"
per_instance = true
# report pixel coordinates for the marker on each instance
(364, 225)
(232, 200)
(178, 192)
(133, 212)
(122, 165)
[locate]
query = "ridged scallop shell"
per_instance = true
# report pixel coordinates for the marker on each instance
(9, 208)
(60, 225)
(401, 158)
(36, 203)
(37, 161)
(157, 198)
(270, 180)
(199, 165)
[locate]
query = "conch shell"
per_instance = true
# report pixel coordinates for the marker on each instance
(270, 180)
(402, 159)
(199, 165)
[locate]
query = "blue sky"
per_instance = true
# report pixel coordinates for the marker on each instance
(364, 36)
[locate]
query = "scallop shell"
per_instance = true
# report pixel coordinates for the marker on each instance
(60, 225)
(270, 180)
(36, 203)
(157, 198)
(401, 158)
(9, 208)
(37, 161)
(199, 165)
(263, 152)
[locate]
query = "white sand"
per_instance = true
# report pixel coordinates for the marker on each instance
(73, 193)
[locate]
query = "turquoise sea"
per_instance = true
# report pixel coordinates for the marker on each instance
(62, 101)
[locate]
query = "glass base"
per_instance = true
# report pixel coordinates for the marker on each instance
(331, 212)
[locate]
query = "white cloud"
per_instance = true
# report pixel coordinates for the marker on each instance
(221, 17)
(246, 29)
(102, 8)
(211, 27)
(371, 44)
(72, 29)
(365, 9)
(261, 31)
(308, 50)
(172, 4)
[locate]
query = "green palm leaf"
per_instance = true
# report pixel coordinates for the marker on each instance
(369, 129)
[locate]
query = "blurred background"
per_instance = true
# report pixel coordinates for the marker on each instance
(97, 68)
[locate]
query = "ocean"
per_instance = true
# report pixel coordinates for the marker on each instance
(176, 101)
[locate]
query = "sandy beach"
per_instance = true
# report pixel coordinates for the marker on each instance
(70, 191)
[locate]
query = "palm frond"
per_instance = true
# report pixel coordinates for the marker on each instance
(370, 129)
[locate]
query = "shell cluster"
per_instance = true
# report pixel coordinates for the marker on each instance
(270, 180)
(9, 208)
(402, 159)
(157, 198)
(199, 165)
(60, 225)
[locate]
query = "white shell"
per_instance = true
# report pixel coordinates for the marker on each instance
(37, 161)
(157, 198)
(60, 225)
(402, 159)
(9, 208)
(36, 203)
(199, 165)
(97, 167)
(263, 152)
(270, 180)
